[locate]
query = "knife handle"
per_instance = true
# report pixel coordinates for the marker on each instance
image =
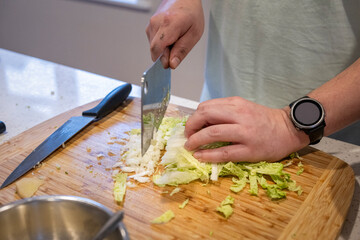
(113, 100)
(2, 127)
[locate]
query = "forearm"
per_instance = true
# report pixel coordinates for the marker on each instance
(340, 98)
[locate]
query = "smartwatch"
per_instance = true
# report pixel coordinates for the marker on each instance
(308, 115)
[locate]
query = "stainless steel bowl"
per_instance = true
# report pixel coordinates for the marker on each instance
(55, 218)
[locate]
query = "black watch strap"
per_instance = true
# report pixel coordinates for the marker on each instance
(316, 134)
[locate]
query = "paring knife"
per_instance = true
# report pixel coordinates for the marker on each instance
(155, 97)
(70, 128)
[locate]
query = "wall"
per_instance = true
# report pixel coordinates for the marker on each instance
(98, 38)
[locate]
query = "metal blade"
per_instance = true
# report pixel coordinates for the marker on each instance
(53, 142)
(155, 97)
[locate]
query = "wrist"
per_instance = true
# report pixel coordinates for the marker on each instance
(298, 138)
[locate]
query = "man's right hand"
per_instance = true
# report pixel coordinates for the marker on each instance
(174, 29)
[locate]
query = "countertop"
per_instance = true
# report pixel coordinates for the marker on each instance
(34, 90)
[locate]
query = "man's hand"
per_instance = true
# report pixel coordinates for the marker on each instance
(174, 30)
(257, 133)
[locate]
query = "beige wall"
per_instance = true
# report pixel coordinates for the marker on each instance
(98, 38)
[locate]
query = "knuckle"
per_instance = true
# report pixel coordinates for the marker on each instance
(154, 48)
(183, 51)
(166, 20)
(234, 99)
(214, 131)
(225, 155)
(201, 107)
(153, 21)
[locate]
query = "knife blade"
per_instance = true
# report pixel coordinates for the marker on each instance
(155, 97)
(69, 129)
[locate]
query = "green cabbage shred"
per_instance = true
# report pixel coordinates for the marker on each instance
(225, 207)
(181, 206)
(164, 218)
(301, 168)
(120, 186)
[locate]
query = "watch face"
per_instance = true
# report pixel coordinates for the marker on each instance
(307, 112)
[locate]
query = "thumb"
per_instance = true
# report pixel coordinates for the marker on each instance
(177, 54)
(181, 48)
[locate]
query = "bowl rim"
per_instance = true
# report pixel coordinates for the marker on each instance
(55, 198)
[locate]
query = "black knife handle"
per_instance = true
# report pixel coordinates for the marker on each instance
(113, 100)
(2, 127)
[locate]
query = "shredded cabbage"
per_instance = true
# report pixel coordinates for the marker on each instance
(146, 165)
(184, 203)
(225, 207)
(176, 190)
(253, 185)
(180, 167)
(239, 184)
(301, 168)
(120, 186)
(164, 218)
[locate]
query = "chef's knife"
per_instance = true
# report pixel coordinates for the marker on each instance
(70, 128)
(155, 97)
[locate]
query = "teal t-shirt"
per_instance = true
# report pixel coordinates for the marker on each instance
(273, 52)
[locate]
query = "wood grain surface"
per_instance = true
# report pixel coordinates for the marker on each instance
(327, 182)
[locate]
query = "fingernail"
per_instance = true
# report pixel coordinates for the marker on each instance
(175, 62)
(197, 155)
(186, 146)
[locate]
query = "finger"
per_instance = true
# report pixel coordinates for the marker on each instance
(152, 28)
(148, 32)
(164, 37)
(157, 46)
(216, 133)
(182, 47)
(165, 58)
(231, 153)
(207, 115)
(235, 101)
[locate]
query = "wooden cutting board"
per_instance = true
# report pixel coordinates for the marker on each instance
(327, 182)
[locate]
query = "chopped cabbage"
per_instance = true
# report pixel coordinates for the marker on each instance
(164, 218)
(239, 184)
(228, 200)
(146, 165)
(253, 185)
(295, 188)
(226, 210)
(225, 207)
(176, 190)
(174, 178)
(215, 171)
(180, 167)
(120, 186)
(301, 168)
(184, 203)
(232, 169)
